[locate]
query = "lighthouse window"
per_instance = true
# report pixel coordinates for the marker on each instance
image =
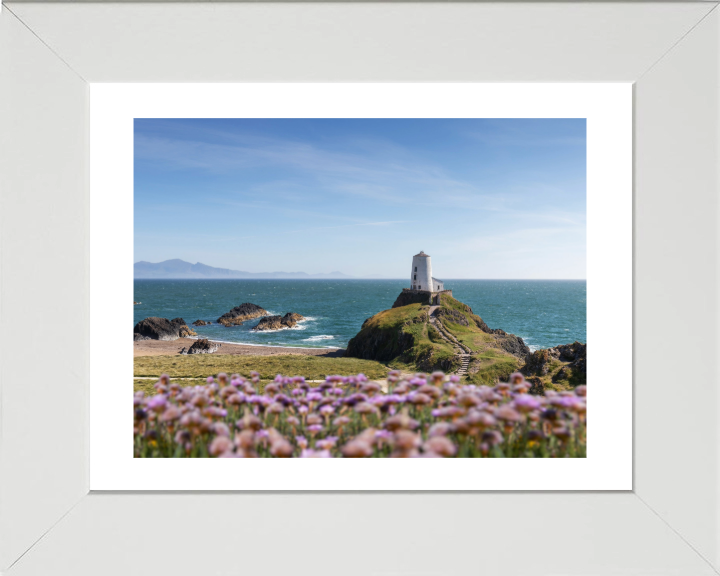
(415, 277)
(415, 268)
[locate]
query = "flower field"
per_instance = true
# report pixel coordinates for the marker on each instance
(417, 416)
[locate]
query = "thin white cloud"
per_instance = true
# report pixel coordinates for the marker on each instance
(338, 227)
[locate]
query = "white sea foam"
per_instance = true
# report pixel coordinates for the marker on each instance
(296, 327)
(305, 319)
(321, 337)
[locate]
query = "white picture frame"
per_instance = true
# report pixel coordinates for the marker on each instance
(607, 113)
(51, 53)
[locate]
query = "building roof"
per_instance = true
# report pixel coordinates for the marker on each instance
(422, 254)
(436, 280)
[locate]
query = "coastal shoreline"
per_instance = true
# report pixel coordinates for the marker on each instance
(172, 347)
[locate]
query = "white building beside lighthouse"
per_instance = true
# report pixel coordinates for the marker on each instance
(421, 277)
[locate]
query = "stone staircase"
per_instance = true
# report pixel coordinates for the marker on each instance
(463, 351)
(464, 361)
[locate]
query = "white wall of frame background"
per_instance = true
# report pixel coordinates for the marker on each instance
(50, 53)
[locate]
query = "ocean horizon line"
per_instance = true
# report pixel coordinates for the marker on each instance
(370, 278)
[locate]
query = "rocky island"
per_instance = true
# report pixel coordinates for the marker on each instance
(279, 322)
(446, 335)
(155, 328)
(240, 314)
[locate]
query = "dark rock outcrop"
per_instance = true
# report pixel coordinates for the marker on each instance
(383, 344)
(203, 346)
(293, 316)
(155, 328)
(239, 314)
(183, 329)
(575, 354)
(537, 362)
(573, 358)
(563, 374)
(278, 322)
(269, 323)
(201, 323)
(406, 298)
(512, 344)
(480, 323)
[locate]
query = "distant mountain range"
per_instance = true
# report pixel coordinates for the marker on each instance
(180, 269)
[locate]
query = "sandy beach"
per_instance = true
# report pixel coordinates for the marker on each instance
(170, 347)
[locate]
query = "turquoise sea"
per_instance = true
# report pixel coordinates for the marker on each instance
(544, 313)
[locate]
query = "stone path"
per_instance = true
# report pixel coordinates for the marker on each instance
(463, 351)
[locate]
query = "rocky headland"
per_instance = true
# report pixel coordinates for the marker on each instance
(155, 328)
(240, 314)
(279, 322)
(449, 336)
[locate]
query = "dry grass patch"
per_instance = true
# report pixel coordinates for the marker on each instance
(204, 365)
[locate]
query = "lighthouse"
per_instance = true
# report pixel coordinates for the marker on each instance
(424, 289)
(421, 277)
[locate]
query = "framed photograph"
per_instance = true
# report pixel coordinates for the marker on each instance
(220, 163)
(309, 153)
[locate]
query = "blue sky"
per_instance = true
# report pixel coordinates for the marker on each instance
(486, 198)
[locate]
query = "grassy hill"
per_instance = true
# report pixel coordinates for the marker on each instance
(404, 336)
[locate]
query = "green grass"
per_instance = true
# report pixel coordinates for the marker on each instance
(430, 350)
(427, 356)
(390, 333)
(450, 302)
(388, 319)
(203, 365)
(147, 386)
(471, 336)
(569, 383)
(489, 363)
(491, 366)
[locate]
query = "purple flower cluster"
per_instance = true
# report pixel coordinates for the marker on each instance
(410, 416)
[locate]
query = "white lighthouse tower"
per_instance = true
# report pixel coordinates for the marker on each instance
(421, 274)
(424, 289)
